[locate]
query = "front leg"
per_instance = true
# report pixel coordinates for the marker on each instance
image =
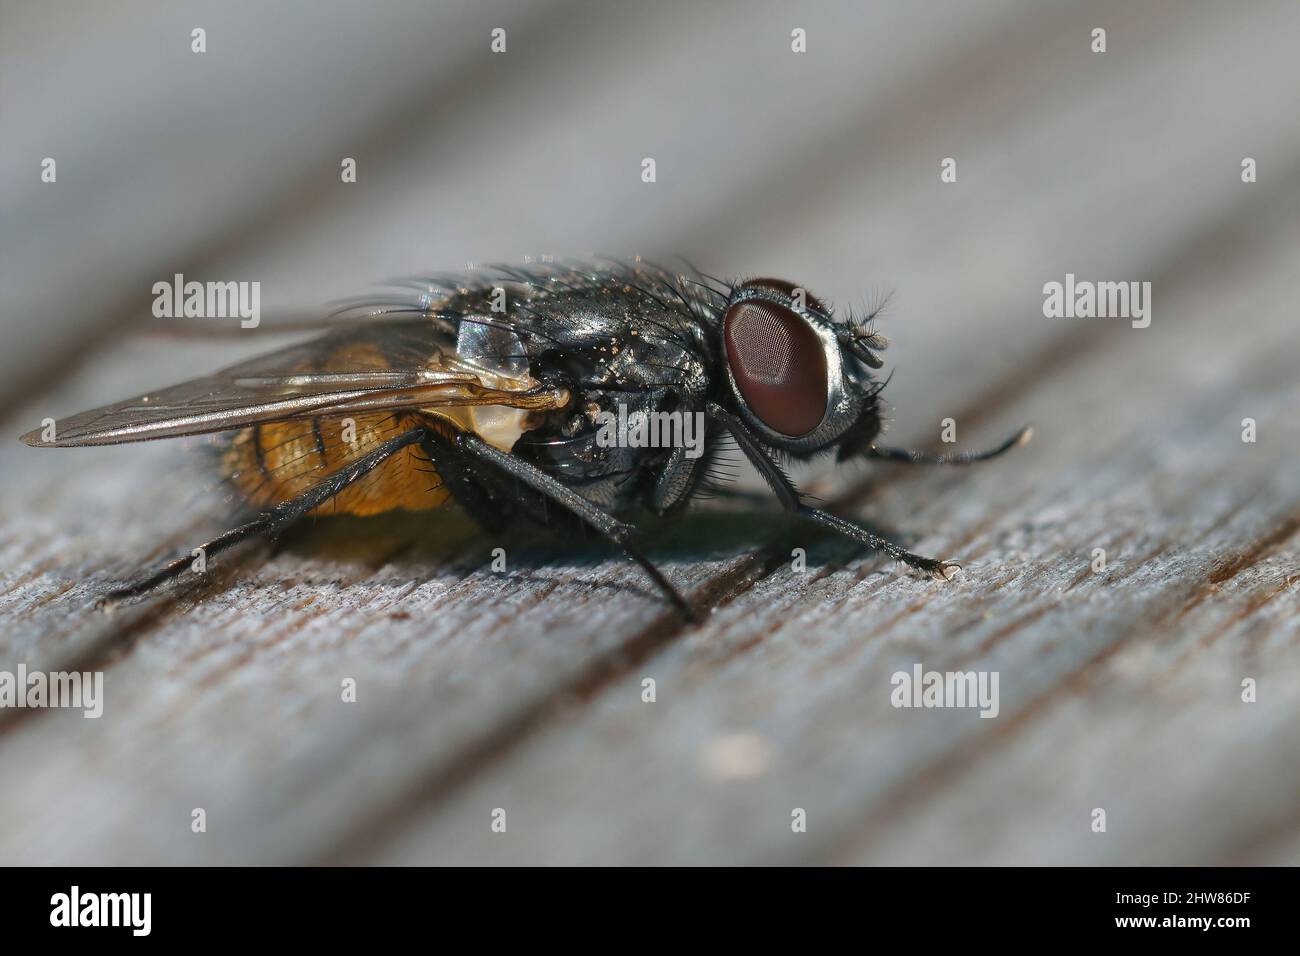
(788, 495)
(675, 481)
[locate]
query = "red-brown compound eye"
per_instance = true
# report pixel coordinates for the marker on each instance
(786, 289)
(779, 364)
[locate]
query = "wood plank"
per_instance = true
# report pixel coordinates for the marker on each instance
(1119, 690)
(478, 691)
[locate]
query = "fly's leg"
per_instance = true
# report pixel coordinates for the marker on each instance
(939, 570)
(674, 481)
(482, 501)
(557, 493)
(910, 457)
(788, 495)
(274, 520)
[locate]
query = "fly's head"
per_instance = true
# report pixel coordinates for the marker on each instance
(800, 378)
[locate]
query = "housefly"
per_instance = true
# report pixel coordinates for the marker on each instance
(497, 393)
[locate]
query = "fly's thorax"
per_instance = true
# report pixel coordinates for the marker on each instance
(497, 356)
(616, 350)
(631, 434)
(498, 426)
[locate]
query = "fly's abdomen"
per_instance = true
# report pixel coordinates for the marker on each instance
(272, 463)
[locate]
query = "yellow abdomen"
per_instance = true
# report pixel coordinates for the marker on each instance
(272, 463)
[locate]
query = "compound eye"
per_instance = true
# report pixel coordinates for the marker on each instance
(779, 364)
(787, 289)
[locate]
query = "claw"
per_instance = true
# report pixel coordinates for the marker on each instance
(946, 571)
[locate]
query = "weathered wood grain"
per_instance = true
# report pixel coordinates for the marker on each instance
(522, 690)
(1119, 690)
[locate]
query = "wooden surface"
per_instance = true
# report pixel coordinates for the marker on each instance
(523, 690)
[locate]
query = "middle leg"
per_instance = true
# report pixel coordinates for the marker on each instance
(466, 449)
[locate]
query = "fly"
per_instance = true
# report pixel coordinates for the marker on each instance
(497, 393)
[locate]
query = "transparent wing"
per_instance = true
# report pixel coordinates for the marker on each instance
(382, 366)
